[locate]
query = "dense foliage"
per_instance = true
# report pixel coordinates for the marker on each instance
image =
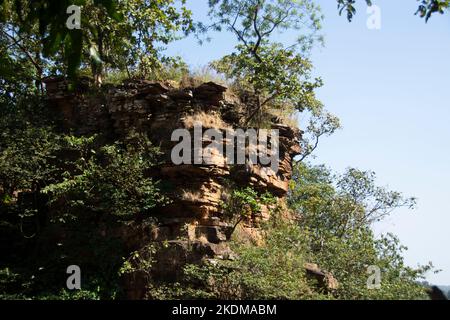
(273, 270)
(61, 198)
(337, 213)
(126, 36)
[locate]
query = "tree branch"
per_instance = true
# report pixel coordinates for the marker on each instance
(258, 34)
(316, 144)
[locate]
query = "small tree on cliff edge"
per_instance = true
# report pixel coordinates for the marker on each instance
(277, 74)
(273, 72)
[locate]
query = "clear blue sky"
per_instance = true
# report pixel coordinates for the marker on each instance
(391, 89)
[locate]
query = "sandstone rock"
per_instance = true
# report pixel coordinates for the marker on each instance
(209, 88)
(191, 228)
(156, 88)
(181, 94)
(210, 92)
(324, 279)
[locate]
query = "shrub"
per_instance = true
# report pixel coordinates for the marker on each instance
(111, 181)
(272, 270)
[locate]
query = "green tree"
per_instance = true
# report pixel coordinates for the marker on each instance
(135, 43)
(107, 182)
(44, 22)
(349, 7)
(53, 185)
(27, 141)
(277, 75)
(114, 34)
(21, 66)
(337, 213)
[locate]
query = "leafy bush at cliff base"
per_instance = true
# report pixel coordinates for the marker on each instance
(336, 213)
(273, 270)
(101, 189)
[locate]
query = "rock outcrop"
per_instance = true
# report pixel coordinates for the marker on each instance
(324, 279)
(192, 227)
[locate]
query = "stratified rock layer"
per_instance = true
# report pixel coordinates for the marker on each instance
(192, 227)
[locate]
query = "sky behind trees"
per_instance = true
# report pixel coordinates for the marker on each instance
(391, 89)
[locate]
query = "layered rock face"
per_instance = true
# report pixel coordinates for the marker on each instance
(192, 227)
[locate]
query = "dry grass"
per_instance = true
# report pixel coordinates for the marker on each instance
(287, 117)
(191, 196)
(201, 75)
(206, 120)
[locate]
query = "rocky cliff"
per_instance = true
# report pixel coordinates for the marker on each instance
(192, 227)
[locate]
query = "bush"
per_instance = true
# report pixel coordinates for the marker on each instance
(271, 270)
(337, 212)
(109, 181)
(78, 191)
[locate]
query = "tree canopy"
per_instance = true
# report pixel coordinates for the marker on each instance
(115, 35)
